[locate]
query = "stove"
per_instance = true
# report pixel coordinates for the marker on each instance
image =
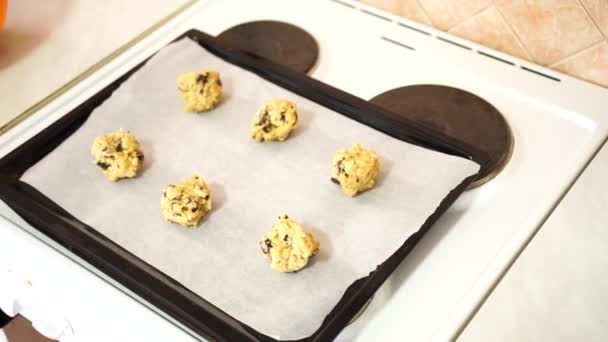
(547, 127)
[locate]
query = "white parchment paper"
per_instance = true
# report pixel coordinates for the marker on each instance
(251, 184)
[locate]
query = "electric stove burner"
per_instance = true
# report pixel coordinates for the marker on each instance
(458, 114)
(279, 42)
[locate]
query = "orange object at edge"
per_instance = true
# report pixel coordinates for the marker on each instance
(3, 11)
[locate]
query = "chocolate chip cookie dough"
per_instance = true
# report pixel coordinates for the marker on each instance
(288, 246)
(118, 155)
(186, 202)
(201, 90)
(355, 169)
(274, 121)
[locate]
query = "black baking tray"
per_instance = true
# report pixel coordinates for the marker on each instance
(162, 291)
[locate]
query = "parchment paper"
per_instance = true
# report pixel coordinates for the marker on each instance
(251, 183)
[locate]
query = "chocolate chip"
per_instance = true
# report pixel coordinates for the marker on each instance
(104, 149)
(266, 245)
(202, 78)
(206, 197)
(340, 167)
(266, 129)
(335, 180)
(103, 165)
(219, 83)
(177, 214)
(140, 156)
(194, 209)
(164, 194)
(282, 116)
(264, 119)
(119, 147)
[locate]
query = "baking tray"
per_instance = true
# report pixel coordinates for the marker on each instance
(166, 294)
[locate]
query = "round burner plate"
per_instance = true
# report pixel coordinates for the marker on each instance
(280, 42)
(458, 114)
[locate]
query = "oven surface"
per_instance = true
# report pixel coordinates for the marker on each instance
(436, 289)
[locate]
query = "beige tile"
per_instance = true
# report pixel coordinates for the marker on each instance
(598, 9)
(489, 28)
(590, 65)
(445, 14)
(550, 29)
(406, 8)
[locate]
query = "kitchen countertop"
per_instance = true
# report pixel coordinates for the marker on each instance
(45, 44)
(554, 290)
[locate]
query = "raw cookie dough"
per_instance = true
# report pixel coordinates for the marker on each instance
(288, 246)
(186, 202)
(201, 90)
(118, 154)
(355, 169)
(274, 121)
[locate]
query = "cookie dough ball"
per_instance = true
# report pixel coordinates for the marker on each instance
(274, 121)
(288, 246)
(186, 202)
(118, 154)
(355, 169)
(201, 90)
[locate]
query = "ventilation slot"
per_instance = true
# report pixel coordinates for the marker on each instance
(375, 15)
(343, 3)
(398, 43)
(541, 74)
(413, 29)
(495, 58)
(454, 43)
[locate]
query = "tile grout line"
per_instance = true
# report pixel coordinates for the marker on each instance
(517, 37)
(590, 17)
(425, 13)
(473, 16)
(577, 53)
(461, 23)
(490, 4)
(466, 20)
(525, 53)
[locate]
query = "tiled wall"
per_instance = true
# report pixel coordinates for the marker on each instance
(566, 35)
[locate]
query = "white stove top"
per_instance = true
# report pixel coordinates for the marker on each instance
(555, 120)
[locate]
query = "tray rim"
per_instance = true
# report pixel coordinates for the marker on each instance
(50, 219)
